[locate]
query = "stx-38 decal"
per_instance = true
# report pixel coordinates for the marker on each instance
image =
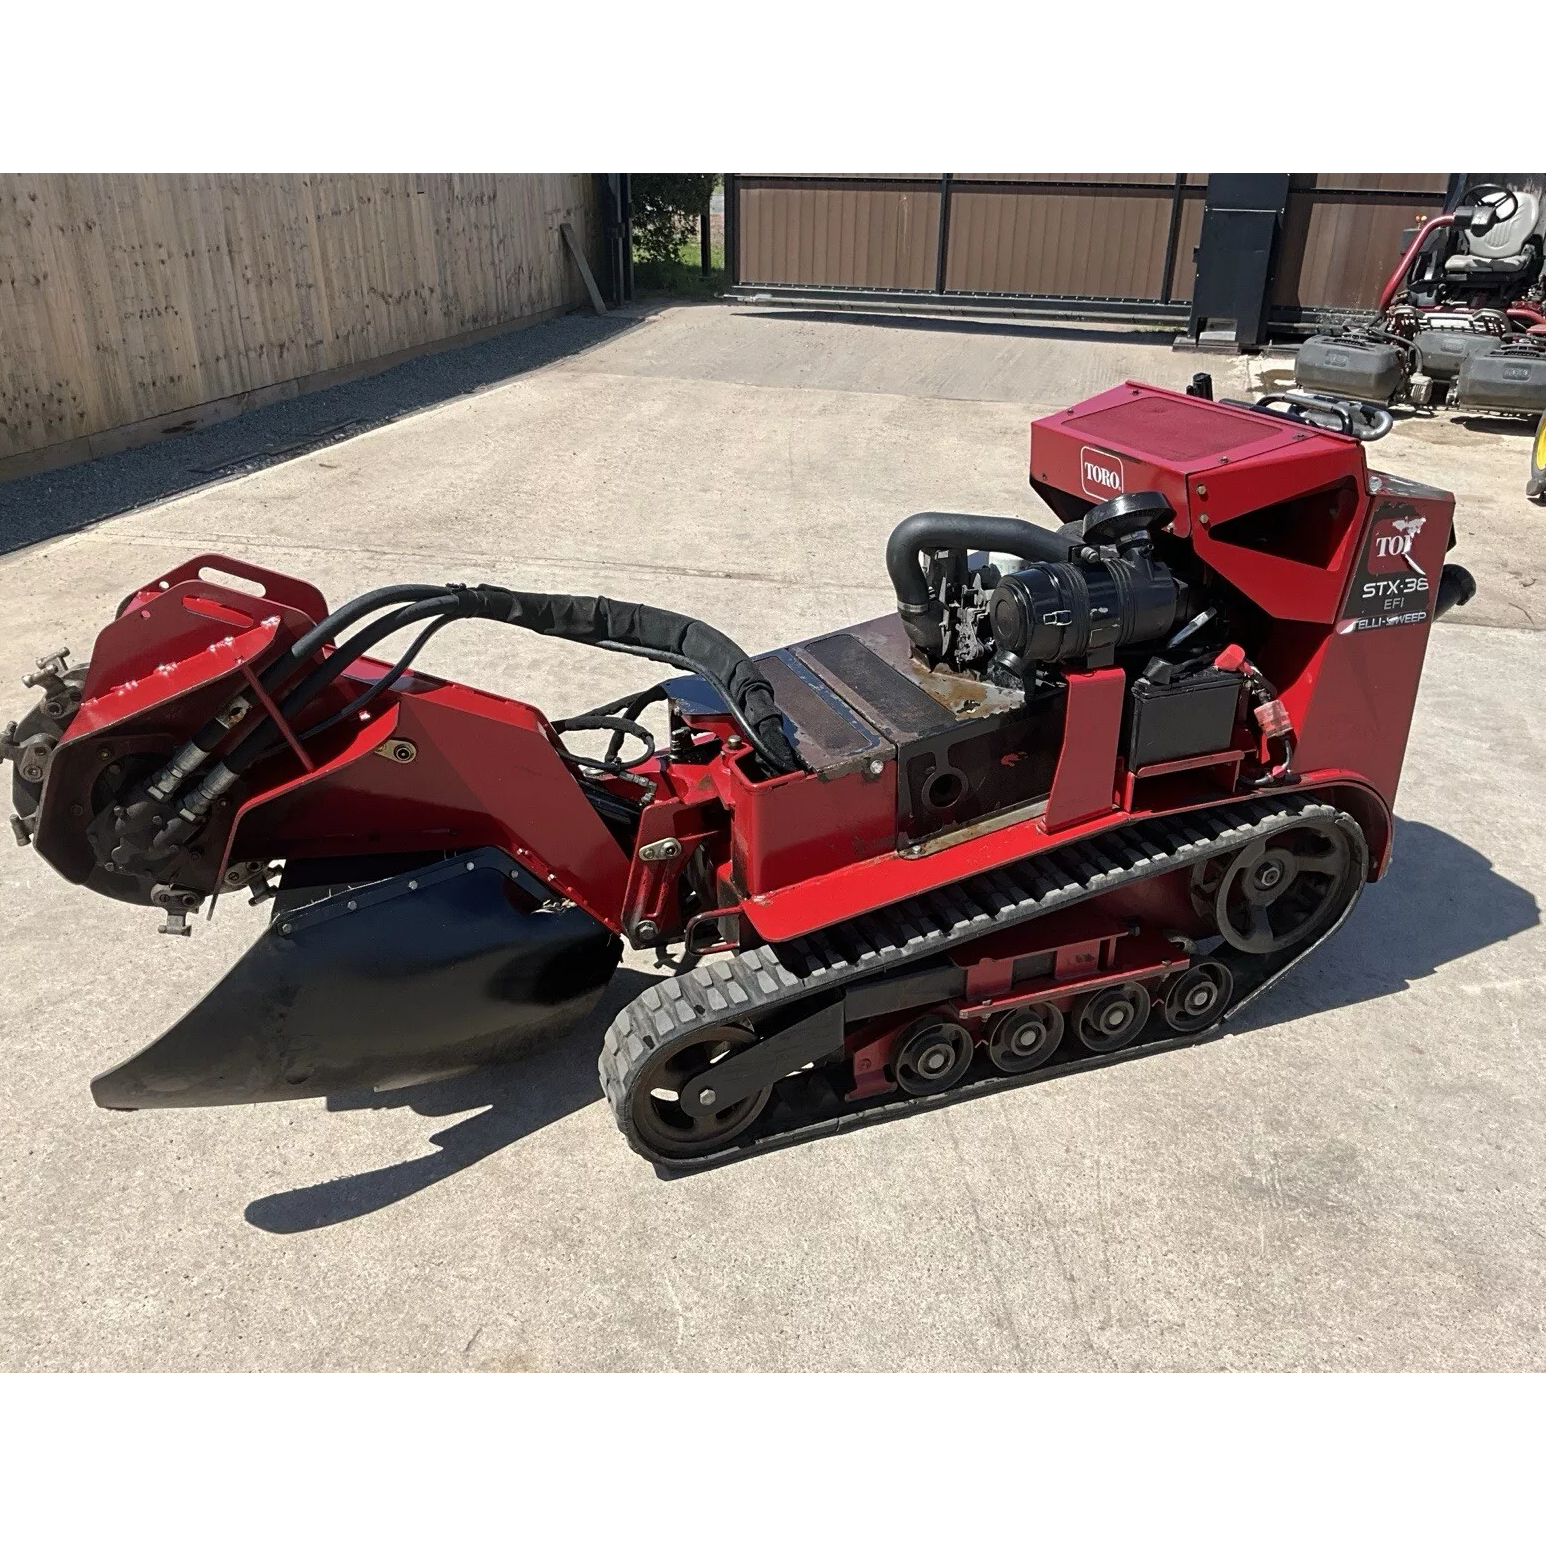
(1395, 580)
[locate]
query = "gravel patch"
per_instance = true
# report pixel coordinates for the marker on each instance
(49, 504)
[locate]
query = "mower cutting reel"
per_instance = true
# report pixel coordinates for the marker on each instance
(1460, 321)
(1072, 802)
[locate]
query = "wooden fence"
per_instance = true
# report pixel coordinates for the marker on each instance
(132, 306)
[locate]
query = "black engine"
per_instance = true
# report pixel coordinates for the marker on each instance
(1091, 588)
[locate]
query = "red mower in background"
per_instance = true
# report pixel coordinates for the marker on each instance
(1083, 794)
(1460, 321)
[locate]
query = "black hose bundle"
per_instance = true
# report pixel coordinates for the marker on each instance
(629, 627)
(636, 629)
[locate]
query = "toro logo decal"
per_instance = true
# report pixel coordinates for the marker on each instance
(1390, 545)
(1100, 473)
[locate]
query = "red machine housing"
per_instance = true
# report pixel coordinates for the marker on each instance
(1328, 573)
(1286, 513)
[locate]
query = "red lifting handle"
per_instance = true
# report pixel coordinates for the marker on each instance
(283, 589)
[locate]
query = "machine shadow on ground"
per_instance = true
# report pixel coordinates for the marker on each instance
(506, 1102)
(50, 504)
(1442, 900)
(1512, 428)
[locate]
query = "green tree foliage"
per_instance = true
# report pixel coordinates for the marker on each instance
(666, 210)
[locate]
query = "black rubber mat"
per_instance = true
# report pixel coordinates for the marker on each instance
(877, 689)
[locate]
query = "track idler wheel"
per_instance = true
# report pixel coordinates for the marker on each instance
(661, 1118)
(933, 1054)
(1198, 997)
(1113, 1018)
(1278, 892)
(1025, 1038)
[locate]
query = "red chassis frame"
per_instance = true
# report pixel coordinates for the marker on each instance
(435, 766)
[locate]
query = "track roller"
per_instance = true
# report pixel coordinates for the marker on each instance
(1198, 997)
(1279, 891)
(658, 1113)
(933, 1054)
(1023, 1039)
(1113, 1018)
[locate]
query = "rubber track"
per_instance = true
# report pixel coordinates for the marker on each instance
(742, 985)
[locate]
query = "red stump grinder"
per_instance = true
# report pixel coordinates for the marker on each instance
(1085, 792)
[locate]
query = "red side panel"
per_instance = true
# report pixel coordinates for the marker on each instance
(801, 824)
(1086, 771)
(167, 628)
(483, 771)
(268, 584)
(1215, 465)
(1351, 690)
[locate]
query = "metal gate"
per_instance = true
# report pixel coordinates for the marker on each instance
(1113, 246)
(1342, 234)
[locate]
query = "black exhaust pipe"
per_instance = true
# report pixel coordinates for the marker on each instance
(933, 530)
(1457, 586)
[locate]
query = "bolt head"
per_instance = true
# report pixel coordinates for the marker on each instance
(706, 1097)
(877, 767)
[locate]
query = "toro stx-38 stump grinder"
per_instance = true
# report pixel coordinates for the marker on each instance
(1085, 792)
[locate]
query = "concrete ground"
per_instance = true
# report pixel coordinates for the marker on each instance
(1354, 1181)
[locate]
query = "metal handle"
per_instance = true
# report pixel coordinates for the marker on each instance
(1362, 421)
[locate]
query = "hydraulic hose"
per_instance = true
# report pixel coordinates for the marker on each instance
(196, 751)
(440, 603)
(680, 641)
(931, 530)
(280, 670)
(382, 682)
(636, 629)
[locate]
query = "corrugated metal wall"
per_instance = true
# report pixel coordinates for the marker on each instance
(1107, 241)
(1009, 240)
(874, 234)
(1043, 234)
(129, 300)
(1342, 234)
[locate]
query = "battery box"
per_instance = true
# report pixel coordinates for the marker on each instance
(1189, 717)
